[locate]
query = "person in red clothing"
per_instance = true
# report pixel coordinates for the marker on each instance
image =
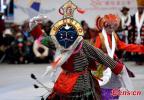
(120, 45)
(109, 42)
(109, 27)
(72, 59)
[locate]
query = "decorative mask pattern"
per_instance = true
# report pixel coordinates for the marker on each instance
(66, 36)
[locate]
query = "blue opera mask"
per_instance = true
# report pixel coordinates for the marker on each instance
(66, 35)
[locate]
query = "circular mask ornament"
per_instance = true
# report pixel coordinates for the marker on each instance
(66, 32)
(66, 36)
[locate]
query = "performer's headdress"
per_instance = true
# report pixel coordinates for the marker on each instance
(106, 20)
(111, 18)
(66, 34)
(140, 3)
(67, 30)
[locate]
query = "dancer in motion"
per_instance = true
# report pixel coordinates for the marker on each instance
(73, 56)
(109, 42)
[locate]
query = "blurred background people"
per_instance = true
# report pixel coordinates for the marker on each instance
(2, 28)
(47, 27)
(28, 42)
(125, 23)
(138, 30)
(89, 33)
(41, 52)
(125, 31)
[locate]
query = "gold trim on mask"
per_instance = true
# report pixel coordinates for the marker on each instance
(67, 21)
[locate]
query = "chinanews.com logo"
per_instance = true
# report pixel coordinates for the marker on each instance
(124, 92)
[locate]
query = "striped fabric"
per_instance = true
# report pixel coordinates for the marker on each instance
(134, 31)
(96, 54)
(81, 62)
(86, 87)
(141, 34)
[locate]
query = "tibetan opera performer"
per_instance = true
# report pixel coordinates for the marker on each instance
(138, 29)
(109, 42)
(73, 58)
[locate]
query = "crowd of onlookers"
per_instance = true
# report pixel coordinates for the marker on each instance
(18, 46)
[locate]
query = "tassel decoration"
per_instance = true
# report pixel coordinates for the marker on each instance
(82, 11)
(33, 76)
(36, 86)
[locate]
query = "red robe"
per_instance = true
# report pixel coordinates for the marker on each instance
(119, 44)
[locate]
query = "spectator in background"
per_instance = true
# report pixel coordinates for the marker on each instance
(15, 28)
(41, 52)
(2, 28)
(47, 27)
(125, 31)
(138, 30)
(28, 42)
(2, 24)
(19, 47)
(2, 47)
(89, 34)
(8, 41)
(25, 29)
(125, 23)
